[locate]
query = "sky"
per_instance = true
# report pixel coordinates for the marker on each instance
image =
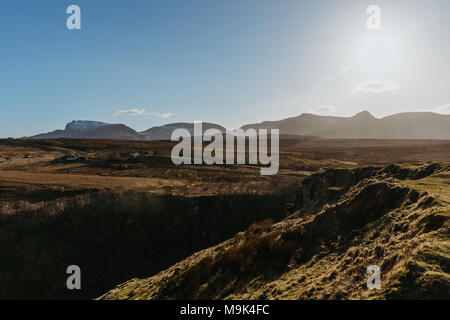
(150, 62)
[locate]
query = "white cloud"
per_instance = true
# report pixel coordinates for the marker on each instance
(130, 112)
(443, 109)
(377, 87)
(140, 112)
(324, 110)
(163, 115)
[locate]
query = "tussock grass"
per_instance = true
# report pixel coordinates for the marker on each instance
(375, 220)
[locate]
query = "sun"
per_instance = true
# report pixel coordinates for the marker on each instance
(379, 52)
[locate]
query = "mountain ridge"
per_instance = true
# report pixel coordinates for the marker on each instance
(363, 125)
(165, 132)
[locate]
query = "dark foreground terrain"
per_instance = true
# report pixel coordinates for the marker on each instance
(346, 221)
(336, 207)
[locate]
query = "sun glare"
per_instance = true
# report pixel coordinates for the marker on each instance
(379, 52)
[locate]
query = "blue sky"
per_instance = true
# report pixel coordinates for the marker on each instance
(151, 62)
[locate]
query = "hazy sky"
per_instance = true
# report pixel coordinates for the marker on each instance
(151, 62)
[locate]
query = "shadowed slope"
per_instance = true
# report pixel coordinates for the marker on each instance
(368, 219)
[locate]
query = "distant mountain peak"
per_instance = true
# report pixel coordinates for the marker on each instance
(84, 125)
(165, 132)
(87, 129)
(307, 115)
(364, 115)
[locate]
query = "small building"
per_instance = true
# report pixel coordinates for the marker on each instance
(69, 157)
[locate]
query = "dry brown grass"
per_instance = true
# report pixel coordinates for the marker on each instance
(27, 165)
(295, 258)
(324, 255)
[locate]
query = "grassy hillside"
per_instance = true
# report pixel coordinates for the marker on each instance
(396, 218)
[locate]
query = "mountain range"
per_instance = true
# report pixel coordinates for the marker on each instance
(413, 125)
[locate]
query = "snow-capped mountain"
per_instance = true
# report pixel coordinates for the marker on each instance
(82, 129)
(80, 125)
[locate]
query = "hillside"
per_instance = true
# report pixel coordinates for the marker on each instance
(165, 132)
(396, 217)
(413, 125)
